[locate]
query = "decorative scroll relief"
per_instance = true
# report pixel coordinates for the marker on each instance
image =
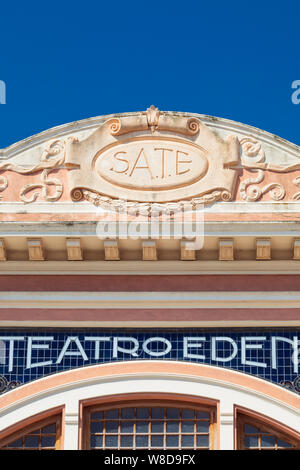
(53, 157)
(253, 159)
(3, 184)
(45, 182)
(277, 191)
(252, 150)
(6, 386)
(296, 181)
(154, 120)
(294, 385)
(153, 158)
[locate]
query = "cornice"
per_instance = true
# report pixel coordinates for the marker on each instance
(128, 268)
(83, 228)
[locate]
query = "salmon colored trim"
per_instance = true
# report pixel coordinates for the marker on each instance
(263, 420)
(39, 417)
(90, 216)
(258, 315)
(128, 398)
(134, 368)
(151, 283)
(254, 217)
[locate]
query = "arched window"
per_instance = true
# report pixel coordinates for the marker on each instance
(155, 424)
(42, 435)
(257, 433)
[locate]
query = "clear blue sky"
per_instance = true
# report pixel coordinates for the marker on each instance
(64, 61)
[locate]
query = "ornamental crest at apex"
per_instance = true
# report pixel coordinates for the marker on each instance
(153, 157)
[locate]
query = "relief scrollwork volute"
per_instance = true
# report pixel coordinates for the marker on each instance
(54, 155)
(53, 158)
(253, 158)
(3, 184)
(296, 182)
(45, 183)
(252, 150)
(252, 193)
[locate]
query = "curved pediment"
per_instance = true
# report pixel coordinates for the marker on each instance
(151, 157)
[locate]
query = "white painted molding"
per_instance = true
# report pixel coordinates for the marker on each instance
(84, 207)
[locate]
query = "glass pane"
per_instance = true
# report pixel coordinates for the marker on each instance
(32, 441)
(172, 413)
(112, 414)
(157, 413)
(157, 426)
(97, 427)
(281, 443)
(187, 441)
(267, 441)
(127, 413)
(203, 441)
(172, 441)
(147, 427)
(111, 426)
(202, 426)
(127, 427)
(157, 441)
(17, 443)
(48, 441)
(97, 415)
(187, 426)
(202, 415)
(172, 426)
(111, 441)
(142, 427)
(96, 441)
(141, 441)
(188, 414)
(41, 438)
(126, 441)
(142, 413)
(251, 441)
(49, 429)
(250, 429)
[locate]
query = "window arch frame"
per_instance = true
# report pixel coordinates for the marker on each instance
(148, 399)
(35, 422)
(244, 416)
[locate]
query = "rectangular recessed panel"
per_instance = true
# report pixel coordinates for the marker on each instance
(30, 354)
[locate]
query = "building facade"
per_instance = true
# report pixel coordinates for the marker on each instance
(150, 286)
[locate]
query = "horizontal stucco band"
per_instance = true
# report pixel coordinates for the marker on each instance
(150, 300)
(149, 317)
(73, 378)
(153, 283)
